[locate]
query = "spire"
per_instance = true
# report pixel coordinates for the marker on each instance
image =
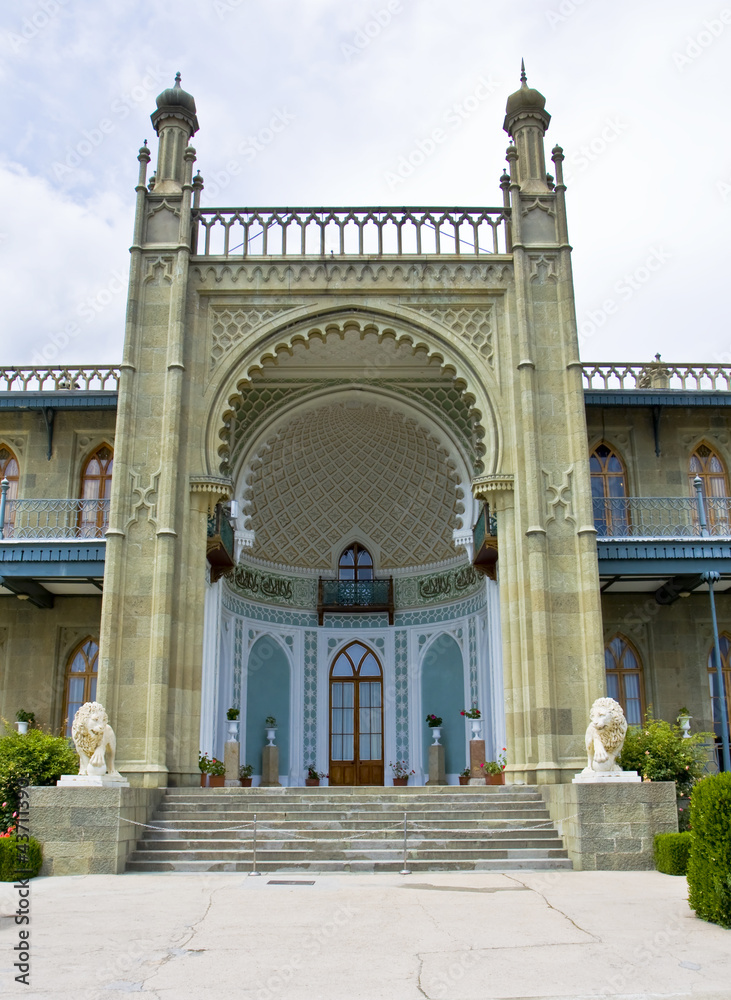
(523, 77)
(175, 122)
(526, 121)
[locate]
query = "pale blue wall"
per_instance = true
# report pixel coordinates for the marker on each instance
(442, 692)
(267, 693)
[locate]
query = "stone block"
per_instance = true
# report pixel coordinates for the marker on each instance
(231, 760)
(270, 767)
(477, 758)
(437, 773)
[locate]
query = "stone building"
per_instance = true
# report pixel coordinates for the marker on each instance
(360, 474)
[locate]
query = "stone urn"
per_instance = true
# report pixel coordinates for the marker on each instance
(476, 728)
(684, 723)
(271, 735)
(232, 730)
(436, 732)
(22, 727)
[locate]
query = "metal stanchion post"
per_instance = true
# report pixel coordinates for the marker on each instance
(253, 860)
(405, 870)
(5, 486)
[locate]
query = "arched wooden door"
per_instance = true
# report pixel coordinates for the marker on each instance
(356, 717)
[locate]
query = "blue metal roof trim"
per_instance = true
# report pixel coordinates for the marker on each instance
(59, 558)
(655, 397)
(59, 400)
(657, 556)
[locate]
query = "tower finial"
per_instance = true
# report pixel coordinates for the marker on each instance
(523, 77)
(177, 79)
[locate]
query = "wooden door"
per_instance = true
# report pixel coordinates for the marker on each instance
(356, 717)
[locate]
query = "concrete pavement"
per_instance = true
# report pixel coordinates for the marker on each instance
(442, 936)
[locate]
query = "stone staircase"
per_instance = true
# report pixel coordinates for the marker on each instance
(471, 828)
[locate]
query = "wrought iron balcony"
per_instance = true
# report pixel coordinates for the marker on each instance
(660, 517)
(220, 543)
(485, 543)
(352, 596)
(54, 519)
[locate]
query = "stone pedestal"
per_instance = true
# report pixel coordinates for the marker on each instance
(270, 767)
(231, 759)
(92, 781)
(477, 758)
(437, 774)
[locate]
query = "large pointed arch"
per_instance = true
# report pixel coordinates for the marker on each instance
(608, 473)
(625, 677)
(10, 470)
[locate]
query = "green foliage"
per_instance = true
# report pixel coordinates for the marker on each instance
(709, 869)
(217, 767)
(36, 758)
(672, 851)
(19, 858)
(22, 716)
(658, 751)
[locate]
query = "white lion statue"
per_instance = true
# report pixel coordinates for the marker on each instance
(94, 740)
(605, 735)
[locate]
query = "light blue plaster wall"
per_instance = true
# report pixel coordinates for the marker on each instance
(442, 692)
(267, 693)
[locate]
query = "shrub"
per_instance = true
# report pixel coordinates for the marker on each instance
(658, 751)
(19, 858)
(672, 851)
(36, 758)
(709, 869)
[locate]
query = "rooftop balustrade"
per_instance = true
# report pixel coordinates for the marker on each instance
(657, 375)
(54, 378)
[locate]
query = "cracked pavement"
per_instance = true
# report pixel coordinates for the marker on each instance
(442, 936)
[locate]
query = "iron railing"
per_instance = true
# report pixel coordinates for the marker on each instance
(486, 527)
(660, 517)
(97, 378)
(51, 519)
(299, 232)
(355, 595)
(657, 375)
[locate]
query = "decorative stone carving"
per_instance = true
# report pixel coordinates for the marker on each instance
(604, 740)
(96, 746)
(473, 324)
(559, 496)
(483, 486)
(217, 488)
(230, 327)
(158, 268)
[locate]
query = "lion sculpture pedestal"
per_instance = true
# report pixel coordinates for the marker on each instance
(96, 745)
(604, 740)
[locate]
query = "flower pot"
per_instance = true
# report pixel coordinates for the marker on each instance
(684, 723)
(312, 782)
(436, 732)
(476, 728)
(245, 782)
(271, 735)
(204, 779)
(216, 780)
(495, 779)
(463, 780)
(233, 730)
(22, 727)
(400, 781)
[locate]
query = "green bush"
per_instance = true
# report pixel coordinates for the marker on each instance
(672, 851)
(709, 869)
(658, 751)
(36, 758)
(19, 858)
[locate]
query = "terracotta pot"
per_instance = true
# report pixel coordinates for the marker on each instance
(216, 780)
(495, 779)
(463, 780)
(312, 782)
(400, 781)
(245, 782)
(204, 779)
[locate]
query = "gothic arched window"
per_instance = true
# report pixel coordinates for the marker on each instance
(724, 643)
(10, 470)
(80, 683)
(96, 485)
(608, 490)
(708, 465)
(356, 563)
(625, 682)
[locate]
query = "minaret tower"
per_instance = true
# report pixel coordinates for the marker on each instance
(176, 123)
(526, 122)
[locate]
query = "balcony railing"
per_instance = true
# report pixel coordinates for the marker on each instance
(298, 232)
(220, 543)
(485, 542)
(660, 517)
(55, 519)
(354, 596)
(100, 378)
(657, 375)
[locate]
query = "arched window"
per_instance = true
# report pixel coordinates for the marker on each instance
(608, 491)
(9, 470)
(625, 682)
(724, 642)
(707, 464)
(356, 563)
(96, 485)
(81, 675)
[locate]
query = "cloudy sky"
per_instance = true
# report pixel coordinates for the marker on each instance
(634, 90)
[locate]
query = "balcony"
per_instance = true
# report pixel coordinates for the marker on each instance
(485, 543)
(54, 519)
(354, 596)
(660, 517)
(220, 544)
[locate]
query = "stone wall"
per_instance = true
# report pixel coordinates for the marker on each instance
(86, 831)
(611, 827)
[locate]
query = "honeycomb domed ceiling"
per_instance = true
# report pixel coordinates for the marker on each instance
(351, 470)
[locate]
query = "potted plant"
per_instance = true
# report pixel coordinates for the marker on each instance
(434, 722)
(245, 773)
(233, 722)
(204, 765)
(684, 718)
(464, 776)
(473, 714)
(24, 719)
(313, 776)
(271, 727)
(494, 770)
(216, 773)
(401, 773)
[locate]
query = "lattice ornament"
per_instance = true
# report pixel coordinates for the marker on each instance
(472, 324)
(230, 327)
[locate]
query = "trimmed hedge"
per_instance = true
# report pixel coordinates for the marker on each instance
(19, 858)
(709, 869)
(672, 851)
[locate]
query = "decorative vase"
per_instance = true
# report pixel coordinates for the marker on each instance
(463, 780)
(271, 735)
(312, 782)
(216, 780)
(436, 732)
(245, 782)
(233, 730)
(204, 779)
(495, 779)
(684, 723)
(476, 728)
(22, 727)
(400, 781)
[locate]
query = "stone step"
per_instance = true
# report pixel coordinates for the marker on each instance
(324, 867)
(320, 848)
(378, 852)
(302, 834)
